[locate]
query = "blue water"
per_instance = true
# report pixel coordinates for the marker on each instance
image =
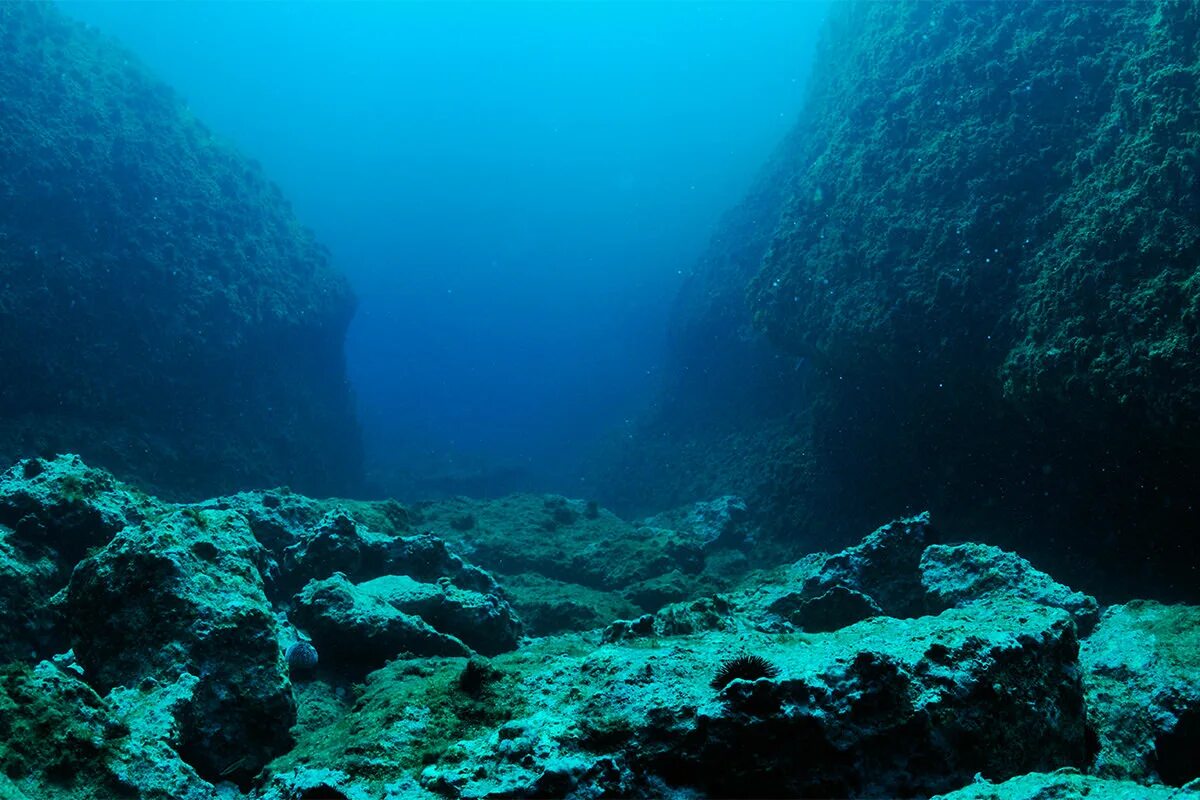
(515, 191)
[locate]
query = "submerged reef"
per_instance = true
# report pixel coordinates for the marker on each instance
(966, 282)
(270, 646)
(161, 309)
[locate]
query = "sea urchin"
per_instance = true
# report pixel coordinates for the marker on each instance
(744, 667)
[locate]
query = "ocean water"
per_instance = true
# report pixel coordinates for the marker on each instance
(515, 191)
(851, 354)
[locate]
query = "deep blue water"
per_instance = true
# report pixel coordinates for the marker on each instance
(514, 190)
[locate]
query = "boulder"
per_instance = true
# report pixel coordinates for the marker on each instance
(355, 627)
(1142, 677)
(183, 594)
(956, 574)
(59, 738)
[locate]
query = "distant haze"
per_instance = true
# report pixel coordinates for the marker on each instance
(513, 189)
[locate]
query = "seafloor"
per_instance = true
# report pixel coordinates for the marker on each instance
(269, 645)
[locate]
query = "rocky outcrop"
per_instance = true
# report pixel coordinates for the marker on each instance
(183, 595)
(151, 276)
(980, 273)
(1064, 784)
(178, 617)
(899, 666)
(1143, 689)
(61, 739)
(953, 575)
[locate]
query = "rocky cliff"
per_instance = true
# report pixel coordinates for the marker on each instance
(985, 251)
(161, 309)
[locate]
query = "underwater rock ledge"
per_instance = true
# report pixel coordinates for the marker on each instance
(268, 645)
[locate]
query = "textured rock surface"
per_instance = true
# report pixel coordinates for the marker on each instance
(847, 713)
(58, 738)
(1142, 675)
(883, 567)
(178, 688)
(979, 273)
(151, 275)
(1065, 784)
(549, 552)
(956, 574)
(51, 513)
(367, 624)
(184, 594)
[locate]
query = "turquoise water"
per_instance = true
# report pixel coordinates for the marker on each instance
(515, 191)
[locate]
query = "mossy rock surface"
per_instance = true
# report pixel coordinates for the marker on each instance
(152, 274)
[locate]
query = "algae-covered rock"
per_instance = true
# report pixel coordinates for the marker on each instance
(883, 708)
(1064, 784)
(1142, 676)
(541, 546)
(678, 619)
(52, 511)
(184, 594)
(547, 606)
(151, 274)
(356, 627)
(60, 739)
(957, 574)
(883, 566)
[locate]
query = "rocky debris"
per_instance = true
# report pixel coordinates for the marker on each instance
(823, 592)
(536, 545)
(554, 537)
(678, 619)
(884, 708)
(721, 522)
(52, 511)
(312, 539)
(547, 606)
(1065, 784)
(883, 567)
(59, 738)
(1142, 676)
(183, 594)
(356, 626)
(966, 672)
(956, 574)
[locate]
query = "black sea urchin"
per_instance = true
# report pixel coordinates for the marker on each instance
(744, 667)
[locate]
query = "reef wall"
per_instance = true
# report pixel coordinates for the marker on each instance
(162, 311)
(986, 253)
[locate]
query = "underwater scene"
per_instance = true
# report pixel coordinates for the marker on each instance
(682, 400)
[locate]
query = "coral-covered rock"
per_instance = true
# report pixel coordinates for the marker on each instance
(1142, 676)
(184, 594)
